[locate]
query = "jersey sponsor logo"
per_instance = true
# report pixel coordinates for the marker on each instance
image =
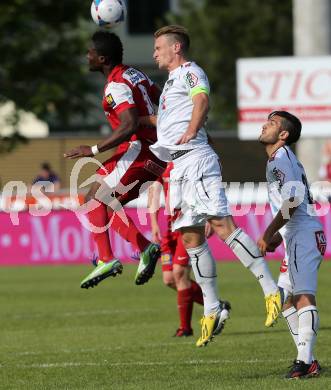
(134, 76)
(191, 79)
(321, 241)
(280, 176)
(110, 100)
(154, 168)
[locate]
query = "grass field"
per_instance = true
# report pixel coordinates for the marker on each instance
(53, 335)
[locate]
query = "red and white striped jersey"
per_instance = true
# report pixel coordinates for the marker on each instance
(128, 87)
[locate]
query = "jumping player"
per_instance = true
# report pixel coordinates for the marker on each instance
(196, 192)
(128, 95)
(296, 223)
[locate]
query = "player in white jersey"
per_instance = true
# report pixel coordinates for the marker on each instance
(196, 192)
(296, 223)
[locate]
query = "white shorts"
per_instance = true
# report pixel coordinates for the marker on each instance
(304, 251)
(196, 192)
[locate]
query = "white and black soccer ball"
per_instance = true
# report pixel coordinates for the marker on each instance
(108, 13)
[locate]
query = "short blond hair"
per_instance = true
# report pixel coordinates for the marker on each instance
(177, 33)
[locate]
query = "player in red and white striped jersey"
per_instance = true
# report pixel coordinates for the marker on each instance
(128, 95)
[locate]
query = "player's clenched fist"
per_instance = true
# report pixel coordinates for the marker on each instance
(262, 245)
(80, 151)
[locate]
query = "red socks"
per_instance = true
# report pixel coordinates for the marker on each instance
(185, 308)
(185, 299)
(99, 218)
(196, 293)
(128, 230)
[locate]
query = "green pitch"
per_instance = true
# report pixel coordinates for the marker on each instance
(54, 335)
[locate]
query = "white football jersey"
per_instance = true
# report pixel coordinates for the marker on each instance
(175, 109)
(286, 178)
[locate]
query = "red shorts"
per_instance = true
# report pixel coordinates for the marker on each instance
(172, 249)
(129, 168)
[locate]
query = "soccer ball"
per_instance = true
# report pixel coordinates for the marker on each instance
(108, 13)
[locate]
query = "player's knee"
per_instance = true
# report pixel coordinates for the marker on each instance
(92, 192)
(181, 274)
(89, 196)
(169, 281)
(302, 300)
(193, 238)
(223, 227)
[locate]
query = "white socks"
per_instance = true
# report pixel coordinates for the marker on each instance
(250, 256)
(308, 327)
(204, 269)
(303, 326)
(292, 319)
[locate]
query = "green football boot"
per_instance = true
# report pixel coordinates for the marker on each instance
(147, 263)
(102, 271)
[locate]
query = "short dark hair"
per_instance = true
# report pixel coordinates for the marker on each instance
(291, 124)
(178, 33)
(46, 166)
(109, 45)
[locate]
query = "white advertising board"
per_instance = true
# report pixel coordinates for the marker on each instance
(300, 85)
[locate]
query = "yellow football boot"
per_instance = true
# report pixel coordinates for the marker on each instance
(273, 303)
(213, 324)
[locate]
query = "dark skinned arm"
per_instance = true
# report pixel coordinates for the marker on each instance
(155, 94)
(274, 243)
(128, 125)
(150, 120)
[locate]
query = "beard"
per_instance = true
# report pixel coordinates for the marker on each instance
(260, 139)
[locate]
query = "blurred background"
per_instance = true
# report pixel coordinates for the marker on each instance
(259, 56)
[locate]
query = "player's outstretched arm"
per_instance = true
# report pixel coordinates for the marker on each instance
(199, 116)
(128, 124)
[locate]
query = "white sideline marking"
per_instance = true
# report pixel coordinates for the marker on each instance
(141, 364)
(78, 313)
(91, 350)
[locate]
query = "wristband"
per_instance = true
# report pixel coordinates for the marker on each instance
(94, 149)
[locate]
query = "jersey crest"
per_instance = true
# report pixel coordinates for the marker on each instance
(321, 241)
(280, 176)
(191, 79)
(168, 85)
